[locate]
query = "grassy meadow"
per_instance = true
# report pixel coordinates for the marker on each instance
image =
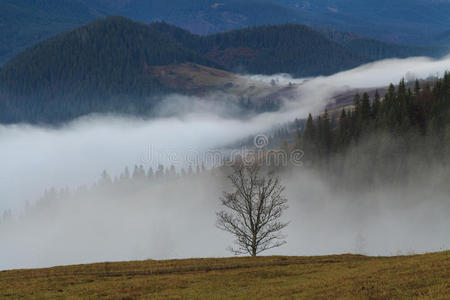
(333, 277)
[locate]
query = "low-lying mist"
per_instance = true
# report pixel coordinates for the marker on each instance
(176, 218)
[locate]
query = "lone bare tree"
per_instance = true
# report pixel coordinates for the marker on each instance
(254, 210)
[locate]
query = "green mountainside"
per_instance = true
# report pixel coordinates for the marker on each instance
(107, 65)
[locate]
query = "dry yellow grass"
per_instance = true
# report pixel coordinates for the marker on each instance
(333, 277)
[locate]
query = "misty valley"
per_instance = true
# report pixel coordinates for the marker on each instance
(147, 159)
(364, 171)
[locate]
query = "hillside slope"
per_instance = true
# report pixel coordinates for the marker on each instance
(294, 49)
(100, 67)
(26, 22)
(113, 50)
(419, 22)
(338, 276)
(105, 66)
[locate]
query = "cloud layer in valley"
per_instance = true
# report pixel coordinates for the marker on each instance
(181, 224)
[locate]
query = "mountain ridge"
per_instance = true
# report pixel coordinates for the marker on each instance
(107, 65)
(26, 22)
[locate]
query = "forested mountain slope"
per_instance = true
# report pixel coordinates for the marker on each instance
(107, 65)
(293, 49)
(111, 53)
(91, 69)
(26, 22)
(419, 22)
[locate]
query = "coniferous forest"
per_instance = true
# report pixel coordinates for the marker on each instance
(382, 140)
(106, 66)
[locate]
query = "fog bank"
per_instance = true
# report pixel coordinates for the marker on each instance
(176, 219)
(181, 224)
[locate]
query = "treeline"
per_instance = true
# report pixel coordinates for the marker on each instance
(382, 139)
(139, 173)
(127, 182)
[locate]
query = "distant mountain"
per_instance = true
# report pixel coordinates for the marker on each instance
(290, 48)
(91, 69)
(109, 65)
(293, 49)
(112, 53)
(209, 16)
(115, 49)
(414, 22)
(421, 22)
(25, 22)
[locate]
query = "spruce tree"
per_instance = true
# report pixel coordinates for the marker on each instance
(365, 107)
(376, 105)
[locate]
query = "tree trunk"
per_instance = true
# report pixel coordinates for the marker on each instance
(254, 245)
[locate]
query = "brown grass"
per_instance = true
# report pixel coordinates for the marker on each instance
(336, 277)
(193, 78)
